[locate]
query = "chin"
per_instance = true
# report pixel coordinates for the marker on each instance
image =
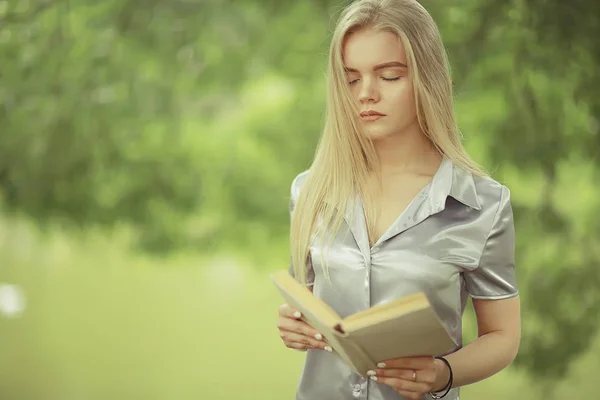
(377, 134)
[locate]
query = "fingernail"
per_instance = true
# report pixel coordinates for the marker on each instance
(318, 336)
(373, 378)
(371, 372)
(381, 365)
(328, 348)
(297, 314)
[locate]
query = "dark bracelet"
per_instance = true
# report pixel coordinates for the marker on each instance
(448, 385)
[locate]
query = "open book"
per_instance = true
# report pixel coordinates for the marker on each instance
(402, 328)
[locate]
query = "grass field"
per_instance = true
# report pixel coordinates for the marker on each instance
(100, 323)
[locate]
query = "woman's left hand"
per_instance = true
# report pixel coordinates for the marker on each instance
(412, 377)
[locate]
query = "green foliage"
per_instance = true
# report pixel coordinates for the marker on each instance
(89, 123)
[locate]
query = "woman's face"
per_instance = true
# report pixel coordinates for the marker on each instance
(378, 76)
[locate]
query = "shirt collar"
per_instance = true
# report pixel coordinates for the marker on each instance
(451, 180)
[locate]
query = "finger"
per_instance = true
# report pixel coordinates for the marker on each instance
(299, 327)
(402, 384)
(427, 376)
(409, 363)
(286, 311)
(297, 346)
(303, 346)
(307, 342)
(406, 374)
(423, 376)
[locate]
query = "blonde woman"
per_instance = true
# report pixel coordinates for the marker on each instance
(392, 204)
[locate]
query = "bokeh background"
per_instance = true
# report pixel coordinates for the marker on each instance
(146, 154)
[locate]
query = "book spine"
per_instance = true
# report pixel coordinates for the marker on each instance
(359, 359)
(353, 354)
(339, 347)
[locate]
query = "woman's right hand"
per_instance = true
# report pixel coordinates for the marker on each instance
(297, 334)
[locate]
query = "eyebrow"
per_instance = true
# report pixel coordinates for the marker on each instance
(390, 64)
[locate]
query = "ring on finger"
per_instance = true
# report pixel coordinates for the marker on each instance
(414, 377)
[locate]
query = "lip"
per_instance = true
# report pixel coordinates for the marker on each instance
(371, 115)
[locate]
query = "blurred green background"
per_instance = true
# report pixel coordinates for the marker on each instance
(146, 155)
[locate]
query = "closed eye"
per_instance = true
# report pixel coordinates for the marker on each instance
(384, 78)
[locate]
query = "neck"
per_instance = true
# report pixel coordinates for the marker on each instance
(409, 151)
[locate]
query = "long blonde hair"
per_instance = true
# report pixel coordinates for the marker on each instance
(345, 156)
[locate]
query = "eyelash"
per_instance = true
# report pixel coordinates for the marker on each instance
(385, 79)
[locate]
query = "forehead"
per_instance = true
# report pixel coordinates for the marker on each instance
(366, 48)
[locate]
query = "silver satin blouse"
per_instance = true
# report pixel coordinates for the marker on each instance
(455, 239)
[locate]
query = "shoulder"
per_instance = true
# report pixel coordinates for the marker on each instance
(489, 189)
(298, 183)
(494, 197)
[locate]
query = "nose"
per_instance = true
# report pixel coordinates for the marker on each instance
(368, 91)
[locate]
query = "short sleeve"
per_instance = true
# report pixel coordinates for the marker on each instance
(294, 192)
(495, 277)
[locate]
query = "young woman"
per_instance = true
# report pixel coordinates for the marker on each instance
(392, 204)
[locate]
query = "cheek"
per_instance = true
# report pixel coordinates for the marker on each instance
(402, 99)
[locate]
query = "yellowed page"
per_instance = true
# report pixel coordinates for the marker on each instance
(417, 333)
(386, 311)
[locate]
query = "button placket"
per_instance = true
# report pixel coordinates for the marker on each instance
(359, 389)
(356, 390)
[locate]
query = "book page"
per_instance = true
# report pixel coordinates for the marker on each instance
(385, 311)
(418, 333)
